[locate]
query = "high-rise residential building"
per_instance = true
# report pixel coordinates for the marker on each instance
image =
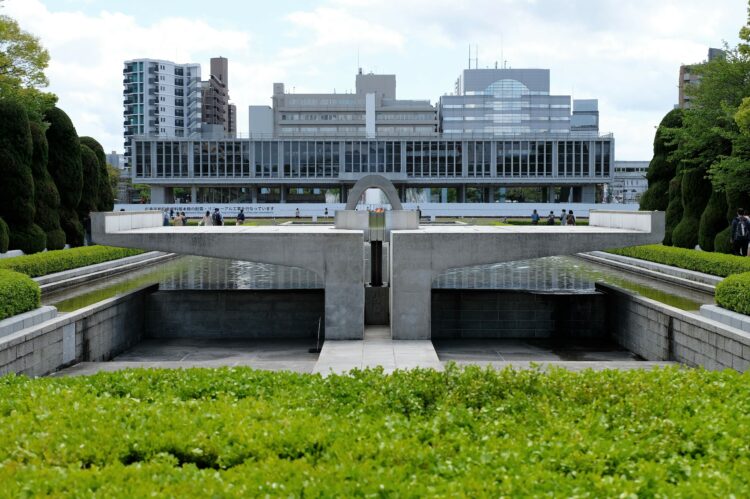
(372, 111)
(689, 76)
(501, 102)
(161, 99)
(216, 107)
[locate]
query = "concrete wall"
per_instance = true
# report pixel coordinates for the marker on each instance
(659, 332)
(377, 308)
(234, 314)
(94, 333)
(513, 314)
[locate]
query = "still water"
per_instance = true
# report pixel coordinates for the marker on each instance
(560, 274)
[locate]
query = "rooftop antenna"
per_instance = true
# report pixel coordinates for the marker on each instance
(469, 56)
(476, 56)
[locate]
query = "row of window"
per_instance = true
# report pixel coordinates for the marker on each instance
(325, 159)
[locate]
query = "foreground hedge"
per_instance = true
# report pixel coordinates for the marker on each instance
(18, 294)
(717, 264)
(474, 433)
(733, 293)
(57, 261)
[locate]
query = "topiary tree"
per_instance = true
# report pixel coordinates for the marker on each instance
(106, 198)
(734, 199)
(90, 192)
(662, 167)
(712, 220)
(66, 170)
(696, 189)
(674, 209)
(46, 197)
(3, 236)
(16, 180)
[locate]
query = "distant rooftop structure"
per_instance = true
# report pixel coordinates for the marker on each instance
(688, 77)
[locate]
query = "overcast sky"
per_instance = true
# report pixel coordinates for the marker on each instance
(626, 53)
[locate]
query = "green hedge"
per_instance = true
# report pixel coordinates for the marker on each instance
(18, 294)
(717, 264)
(733, 293)
(236, 432)
(57, 261)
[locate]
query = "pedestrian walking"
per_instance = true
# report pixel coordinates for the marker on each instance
(241, 217)
(165, 218)
(740, 233)
(206, 220)
(296, 213)
(551, 218)
(217, 217)
(325, 214)
(535, 218)
(570, 219)
(563, 217)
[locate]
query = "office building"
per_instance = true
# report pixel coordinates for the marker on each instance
(507, 102)
(217, 111)
(161, 100)
(690, 76)
(629, 181)
(372, 111)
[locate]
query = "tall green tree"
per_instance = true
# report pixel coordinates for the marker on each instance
(46, 197)
(22, 64)
(66, 170)
(663, 166)
(90, 190)
(16, 180)
(105, 195)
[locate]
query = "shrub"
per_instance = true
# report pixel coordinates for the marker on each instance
(236, 432)
(712, 220)
(733, 293)
(3, 236)
(696, 189)
(29, 239)
(105, 196)
(90, 191)
(66, 169)
(46, 197)
(18, 294)
(673, 214)
(701, 261)
(57, 261)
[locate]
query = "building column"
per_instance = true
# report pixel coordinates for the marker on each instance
(461, 194)
(158, 195)
(193, 194)
(444, 195)
(588, 194)
(282, 190)
(490, 194)
(254, 195)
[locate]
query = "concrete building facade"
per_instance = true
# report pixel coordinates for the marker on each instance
(690, 76)
(215, 99)
(513, 102)
(161, 99)
(629, 181)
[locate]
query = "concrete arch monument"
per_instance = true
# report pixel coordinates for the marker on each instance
(373, 182)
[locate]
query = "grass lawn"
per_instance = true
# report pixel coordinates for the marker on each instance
(472, 433)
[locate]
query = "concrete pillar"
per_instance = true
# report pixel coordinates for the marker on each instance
(461, 194)
(158, 196)
(588, 194)
(282, 190)
(193, 194)
(254, 194)
(411, 287)
(444, 195)
(490, 195)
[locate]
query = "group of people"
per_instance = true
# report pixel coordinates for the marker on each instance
(565, 218)
(740, 233)
(179, 219)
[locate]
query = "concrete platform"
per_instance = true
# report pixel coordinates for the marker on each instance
(377, 349)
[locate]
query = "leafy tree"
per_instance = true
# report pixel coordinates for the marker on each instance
(663, 166)
(712, 220)
(22, 64)
(673, 214)
(17, 185)
(66, 170)
(46, 197)
(90, 191)
(104, 190)
(113, 175)
(696, 190)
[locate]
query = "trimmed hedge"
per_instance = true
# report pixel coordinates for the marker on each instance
(733, 293)
(3, 236)
(236, 432)
(712, 220)
(717, 264)
(90, 192)
(57, 261)
(105, 196)
(18, 294)
(30, 239)
(662, 168)
(46, 197)
(696, 190)
(673, 214)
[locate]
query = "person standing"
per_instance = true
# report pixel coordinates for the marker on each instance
(535, 218)
(296, 213)
(563, 217)
(551, 218)
(206, 220)
(570, 219)
(241, 217)
(740, 233)
(165, 218)
(216, 218)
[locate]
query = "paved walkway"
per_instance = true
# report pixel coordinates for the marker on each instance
(377, 349)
